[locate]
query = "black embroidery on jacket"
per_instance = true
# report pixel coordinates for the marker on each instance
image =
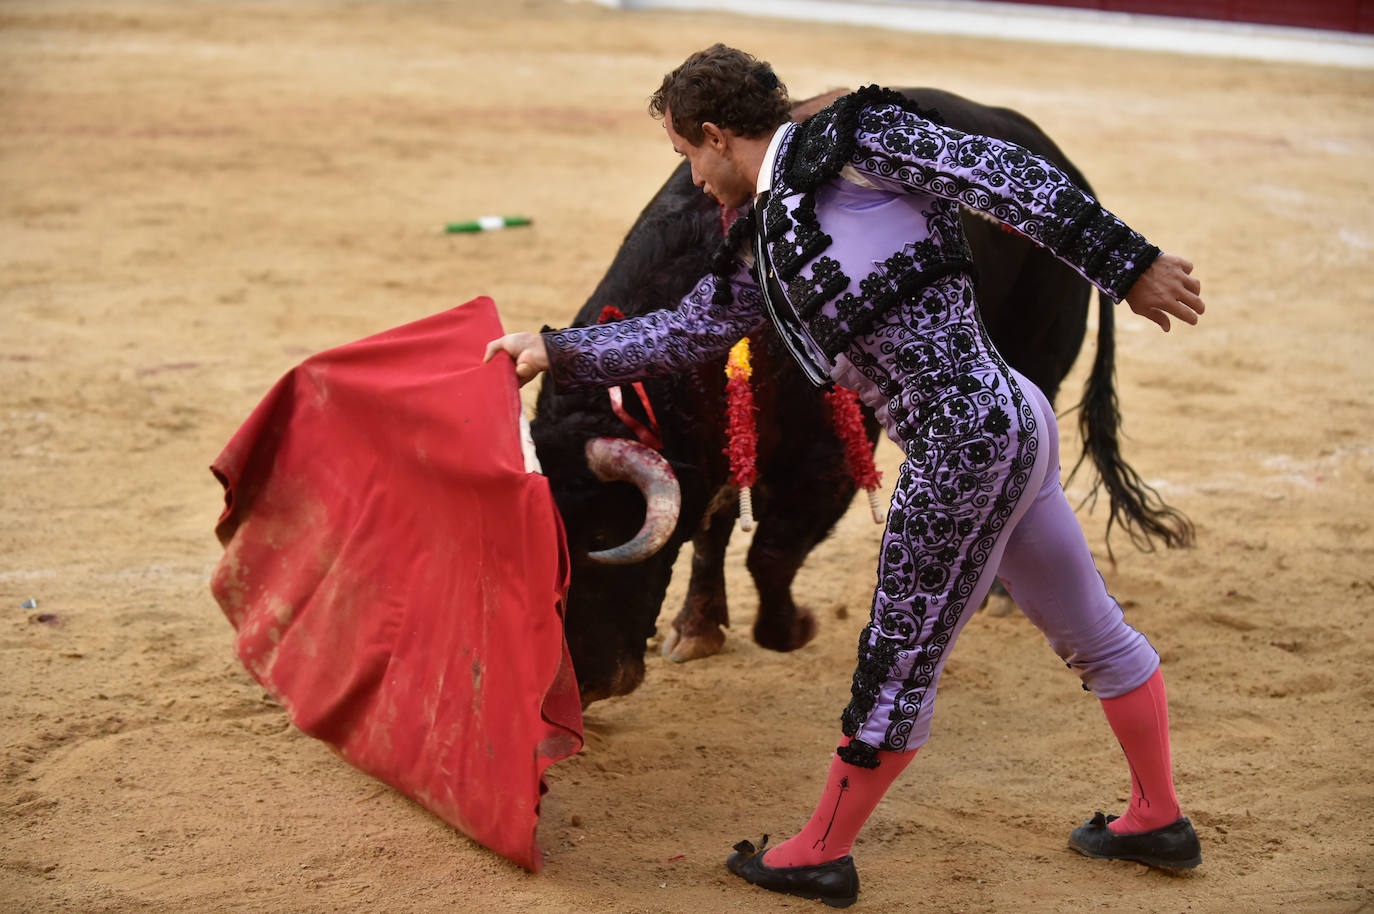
(908, 287)
(808, 239)
(816, 152)
(808, 294)
(826, 140)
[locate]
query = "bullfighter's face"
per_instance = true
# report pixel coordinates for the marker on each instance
(715, 168)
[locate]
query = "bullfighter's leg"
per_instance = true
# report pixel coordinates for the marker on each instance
(698, 629)
(1086, 628)
(1051, 574)
(959, 494)
(938, 562)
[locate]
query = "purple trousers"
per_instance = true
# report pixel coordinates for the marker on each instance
(962, 514)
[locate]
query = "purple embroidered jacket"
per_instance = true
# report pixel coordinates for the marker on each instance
(864, 214)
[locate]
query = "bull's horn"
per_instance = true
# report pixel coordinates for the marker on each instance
(620, 458)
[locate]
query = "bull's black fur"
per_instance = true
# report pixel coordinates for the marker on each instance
(1034, 307)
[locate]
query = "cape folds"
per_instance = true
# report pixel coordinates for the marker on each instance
(396, 577)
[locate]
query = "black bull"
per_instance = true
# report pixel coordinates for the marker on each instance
(1034, 307)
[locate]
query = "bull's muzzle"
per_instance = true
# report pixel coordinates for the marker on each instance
(614, 459)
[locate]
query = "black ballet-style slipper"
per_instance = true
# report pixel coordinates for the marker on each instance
(1172, 847)
(836, 882)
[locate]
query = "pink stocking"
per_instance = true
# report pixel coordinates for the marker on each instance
(850, 796)
(1140, 720)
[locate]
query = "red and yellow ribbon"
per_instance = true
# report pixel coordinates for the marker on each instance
(743, 433)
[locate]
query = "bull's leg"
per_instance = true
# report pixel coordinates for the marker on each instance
(697, 630)
(781, 625)
(797, 517)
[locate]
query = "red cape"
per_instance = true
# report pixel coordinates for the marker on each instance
(396, 577)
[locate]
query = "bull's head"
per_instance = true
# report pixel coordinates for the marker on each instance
(612, 607)
(620, 503)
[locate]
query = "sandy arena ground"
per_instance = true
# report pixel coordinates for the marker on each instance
(195, 195)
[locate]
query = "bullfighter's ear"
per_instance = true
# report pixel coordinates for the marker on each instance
(713, 135)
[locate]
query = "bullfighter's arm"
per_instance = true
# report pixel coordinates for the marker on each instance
(901, 150)
(659, 342)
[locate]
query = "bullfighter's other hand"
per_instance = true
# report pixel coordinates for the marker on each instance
(1167, 287)
(528, 351)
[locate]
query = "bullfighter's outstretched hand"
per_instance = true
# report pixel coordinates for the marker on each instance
(528, 351)
(1167, 287)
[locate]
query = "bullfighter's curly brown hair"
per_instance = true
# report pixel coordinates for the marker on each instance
(727, 87)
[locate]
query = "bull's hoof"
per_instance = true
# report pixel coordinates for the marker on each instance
(779, 638)
(626, 678)
(998, 604)
(680, 648)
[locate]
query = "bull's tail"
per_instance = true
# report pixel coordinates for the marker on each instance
(1136, 505)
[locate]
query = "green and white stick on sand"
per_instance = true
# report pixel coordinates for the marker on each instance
(486, 224)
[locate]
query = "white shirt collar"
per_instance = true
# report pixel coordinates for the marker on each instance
(765, 181)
